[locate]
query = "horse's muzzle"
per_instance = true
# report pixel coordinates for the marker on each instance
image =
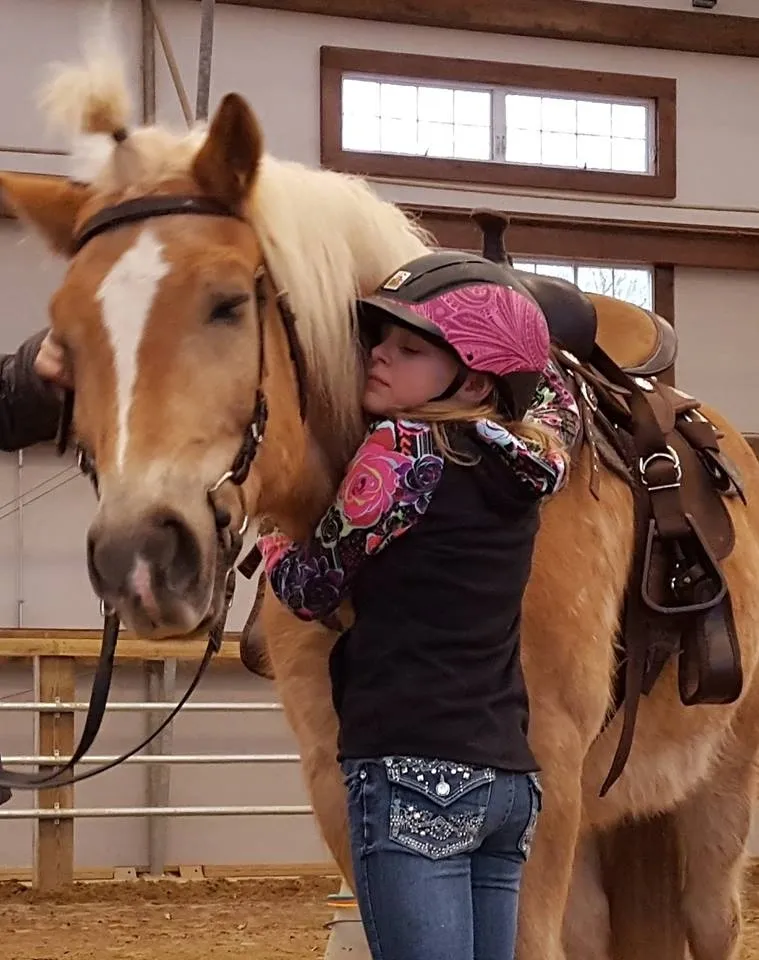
(151, 573)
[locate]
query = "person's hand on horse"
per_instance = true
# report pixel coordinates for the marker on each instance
(51, 362)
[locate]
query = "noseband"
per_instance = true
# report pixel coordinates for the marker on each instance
(229, 541)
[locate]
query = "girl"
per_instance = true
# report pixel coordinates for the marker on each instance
(432, 532)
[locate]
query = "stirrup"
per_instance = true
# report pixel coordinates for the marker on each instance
(703, 556)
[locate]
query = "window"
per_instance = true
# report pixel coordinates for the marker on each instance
(634, 284)
(481, 124)
(421, 117)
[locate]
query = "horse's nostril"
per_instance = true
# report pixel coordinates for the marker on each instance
(177, 557)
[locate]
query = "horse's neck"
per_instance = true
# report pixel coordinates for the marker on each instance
(298, 508)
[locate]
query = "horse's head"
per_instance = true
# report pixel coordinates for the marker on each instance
(161, 313)
(179, 248)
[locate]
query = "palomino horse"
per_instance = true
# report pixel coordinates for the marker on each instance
(179, 343)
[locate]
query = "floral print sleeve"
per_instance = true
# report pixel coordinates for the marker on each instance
(387, 488)
(540, 473)
(555, 408)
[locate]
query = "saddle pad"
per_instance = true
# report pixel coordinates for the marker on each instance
(636, 340)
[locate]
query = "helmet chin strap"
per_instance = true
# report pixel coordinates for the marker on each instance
(453, 387)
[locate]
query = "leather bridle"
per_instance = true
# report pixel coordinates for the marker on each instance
(229, 541)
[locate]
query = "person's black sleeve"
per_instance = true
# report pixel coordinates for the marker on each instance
(29, 406)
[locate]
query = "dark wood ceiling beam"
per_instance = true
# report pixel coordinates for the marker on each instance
(578, 20)
(585, 238)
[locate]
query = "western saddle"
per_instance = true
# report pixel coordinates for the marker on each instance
(658, 441)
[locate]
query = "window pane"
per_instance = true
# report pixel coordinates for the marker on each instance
(435, 105)
(634, 285)
(560, 149)
(594, 152)
(559, 116)
(472, 143)
(361, 132)
(398, 101)
(472, 107)
(594, 118)
(522, 111)
(523, 146)
(629, 120)
(584, 133)
(629, 155)
(398, 136)
(565, 271)
(361, 96)
(596, 280)
(436, 139)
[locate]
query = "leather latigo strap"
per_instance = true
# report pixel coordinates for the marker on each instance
(657, 440)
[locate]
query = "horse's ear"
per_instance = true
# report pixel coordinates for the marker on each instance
(50, 204)
(227, 163)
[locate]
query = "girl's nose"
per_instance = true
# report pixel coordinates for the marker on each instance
(379, 353)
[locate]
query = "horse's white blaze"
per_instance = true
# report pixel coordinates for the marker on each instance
(126, 295)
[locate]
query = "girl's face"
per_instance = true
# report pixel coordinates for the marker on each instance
(406, 371)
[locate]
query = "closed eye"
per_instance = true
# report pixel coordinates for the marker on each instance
(229, 309)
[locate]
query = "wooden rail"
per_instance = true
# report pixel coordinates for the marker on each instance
(85, 644)
(57, 654)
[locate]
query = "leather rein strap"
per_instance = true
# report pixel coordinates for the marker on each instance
(229, 541)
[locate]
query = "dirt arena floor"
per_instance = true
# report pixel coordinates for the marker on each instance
(203, 920)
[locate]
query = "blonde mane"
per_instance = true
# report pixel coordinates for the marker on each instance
(327, 237)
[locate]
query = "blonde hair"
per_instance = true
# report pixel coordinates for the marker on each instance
(441, 415)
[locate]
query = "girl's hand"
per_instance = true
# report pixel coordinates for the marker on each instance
(50, 363)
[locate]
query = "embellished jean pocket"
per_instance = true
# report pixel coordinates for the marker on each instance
(437, 807)
(536, 805)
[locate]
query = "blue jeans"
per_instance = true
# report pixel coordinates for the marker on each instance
(438, 850)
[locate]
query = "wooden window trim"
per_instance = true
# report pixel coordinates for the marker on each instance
(704, 246)
(335, 61)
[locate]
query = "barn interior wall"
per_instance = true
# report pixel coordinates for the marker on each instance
(273, 59)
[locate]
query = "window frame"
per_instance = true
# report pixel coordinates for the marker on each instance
(337, 61)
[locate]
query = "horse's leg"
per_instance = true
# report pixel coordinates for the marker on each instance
(713, 825)
(548, 872)
(587, 924)
(568, 660)
(299, 656)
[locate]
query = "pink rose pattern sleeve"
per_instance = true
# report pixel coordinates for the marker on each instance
(386, 489)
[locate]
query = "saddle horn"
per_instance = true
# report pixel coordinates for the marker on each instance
(494, 226)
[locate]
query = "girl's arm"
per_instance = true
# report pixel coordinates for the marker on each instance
(539, 472)
(386, 490)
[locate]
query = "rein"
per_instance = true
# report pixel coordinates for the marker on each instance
(229, 542)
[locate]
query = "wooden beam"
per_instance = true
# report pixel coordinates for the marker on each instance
(85, 645)
(581, 21)
(212, 871)
(54, 839)
(619, 241)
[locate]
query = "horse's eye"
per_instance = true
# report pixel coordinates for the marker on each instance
(229, 310)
